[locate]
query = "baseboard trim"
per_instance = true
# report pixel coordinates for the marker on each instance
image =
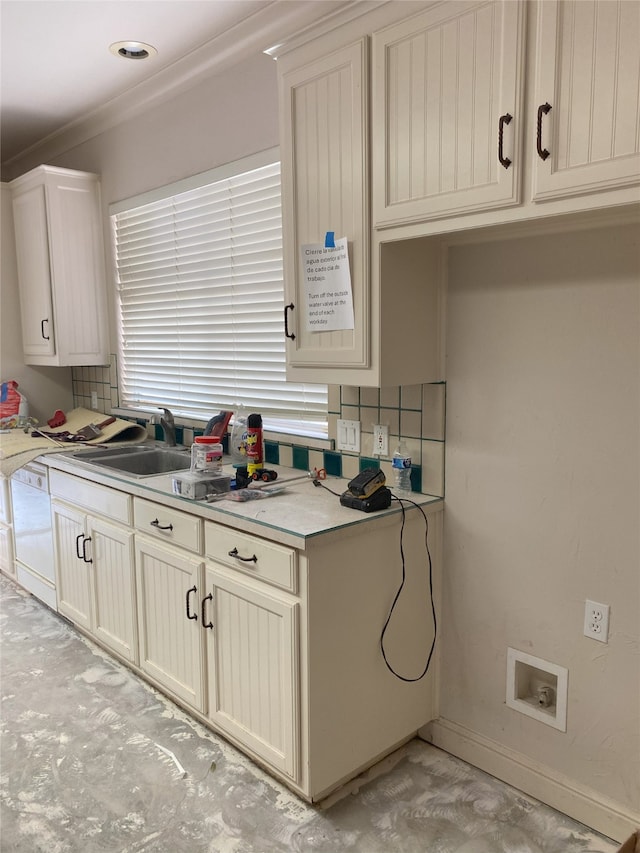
(536, 780)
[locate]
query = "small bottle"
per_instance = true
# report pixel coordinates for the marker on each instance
(402, 468)
(206, 455)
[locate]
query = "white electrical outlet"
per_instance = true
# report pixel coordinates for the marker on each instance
(380, 440)
(349, 436)
(596, 621)
(94, 399)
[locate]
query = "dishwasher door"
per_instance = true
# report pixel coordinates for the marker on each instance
(33, 534)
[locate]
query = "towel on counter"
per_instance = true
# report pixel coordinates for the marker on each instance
(17, 447)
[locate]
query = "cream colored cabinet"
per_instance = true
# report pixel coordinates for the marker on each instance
(251, 623)
(447, 111)
(252, 655)
(61, 267)
(325, 185)
(94, 560)
(587, 107)
(325, 165)
(276, 645)
(7, 564)
(94, 577)
(169, 577)
(73, 579)
(450, 133)
(169, 590)
(296, 673)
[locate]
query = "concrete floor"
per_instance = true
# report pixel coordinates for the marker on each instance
(93, 759)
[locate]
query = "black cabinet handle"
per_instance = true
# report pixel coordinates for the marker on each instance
(237, 556)
(42, 322)
(543, 110)
(84, 549)
(156, 523)
(191, 615)
(78, 538)
(505, 119)
(206, 624)
(287, 308)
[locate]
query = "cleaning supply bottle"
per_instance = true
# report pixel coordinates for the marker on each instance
(254, 447)
(401, 465)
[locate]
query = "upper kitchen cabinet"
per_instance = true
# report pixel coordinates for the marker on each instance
(325, 187)
(61, 267)
(447, 111)
(587, 104)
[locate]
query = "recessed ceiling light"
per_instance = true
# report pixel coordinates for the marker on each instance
(132, 49)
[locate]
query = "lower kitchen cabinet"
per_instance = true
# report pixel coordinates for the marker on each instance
(252, 654)
(169, 592)
(276, 646)
(295, 667)
(95, 578)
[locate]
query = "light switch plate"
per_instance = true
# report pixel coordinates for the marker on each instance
(348, 436)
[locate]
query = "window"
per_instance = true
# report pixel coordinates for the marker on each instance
(201, 300)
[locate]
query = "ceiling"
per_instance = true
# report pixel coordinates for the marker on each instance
(56, 66)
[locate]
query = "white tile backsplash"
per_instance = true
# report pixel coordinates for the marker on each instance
(390, 397)
(350, 396)
(411, 397)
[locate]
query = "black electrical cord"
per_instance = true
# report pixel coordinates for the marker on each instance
(401, 501)
(317, 482)
(400, 588)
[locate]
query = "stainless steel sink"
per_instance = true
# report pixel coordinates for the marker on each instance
(138, 461)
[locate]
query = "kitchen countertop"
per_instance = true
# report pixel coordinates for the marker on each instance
(294, 516)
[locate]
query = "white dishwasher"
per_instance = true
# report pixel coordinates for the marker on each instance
(32, 531)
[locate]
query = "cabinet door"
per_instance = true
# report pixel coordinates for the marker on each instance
(61, 269)
(77, 268)
(253, 667)
(588, 72)
(111, 550)
(73, 580)
(34, 272)
(445, 83)
(171, 642)
(325, 188)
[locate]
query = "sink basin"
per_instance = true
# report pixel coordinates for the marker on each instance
(138, 461)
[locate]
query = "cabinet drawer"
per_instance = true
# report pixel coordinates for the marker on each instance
(90, 496)
(169, 525)
(259, 558)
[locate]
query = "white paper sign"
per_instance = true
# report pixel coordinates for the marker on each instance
(328, 286)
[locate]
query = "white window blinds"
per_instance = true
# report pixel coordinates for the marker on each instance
(202, 303)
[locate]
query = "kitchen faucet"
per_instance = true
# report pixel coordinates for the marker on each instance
(168, 425)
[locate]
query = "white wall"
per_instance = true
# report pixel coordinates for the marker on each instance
(542, 496)
(46, 388)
